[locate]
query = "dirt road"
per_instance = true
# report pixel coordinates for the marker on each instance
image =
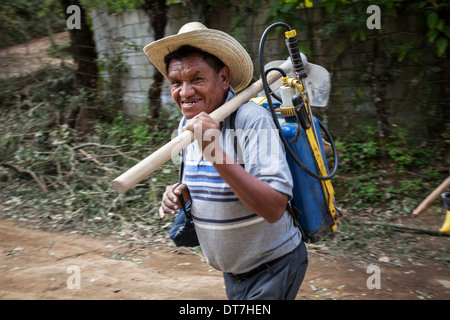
(46, 265)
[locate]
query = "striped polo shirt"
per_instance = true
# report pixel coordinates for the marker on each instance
(234, 239)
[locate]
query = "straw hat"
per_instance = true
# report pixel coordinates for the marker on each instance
(215, 42)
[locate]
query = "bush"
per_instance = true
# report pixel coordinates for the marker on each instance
(366, 177)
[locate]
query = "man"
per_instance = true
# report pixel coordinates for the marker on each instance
(238, 205)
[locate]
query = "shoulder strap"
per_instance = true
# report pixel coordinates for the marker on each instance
(180, 180)
(293, 211)
(237, 147)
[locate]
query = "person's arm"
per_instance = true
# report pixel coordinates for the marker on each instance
(255, 194)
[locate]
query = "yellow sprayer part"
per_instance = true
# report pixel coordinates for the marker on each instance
(287, 111)
(259, 100)
(284, 80)
(290, 34)
(292, 82)
(327, 187)
(446, 225)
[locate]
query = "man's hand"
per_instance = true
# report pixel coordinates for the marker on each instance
(207, 132)
(170, 201)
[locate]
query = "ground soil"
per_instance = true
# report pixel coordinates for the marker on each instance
(38, 264)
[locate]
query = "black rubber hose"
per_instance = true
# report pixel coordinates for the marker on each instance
(283, 73)
(274, 116)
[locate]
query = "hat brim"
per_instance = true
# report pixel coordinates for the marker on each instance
(215, 42)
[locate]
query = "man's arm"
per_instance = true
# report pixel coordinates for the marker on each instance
(255, 194)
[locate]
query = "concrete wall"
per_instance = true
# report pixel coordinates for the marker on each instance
(127, 34)
(352, 97)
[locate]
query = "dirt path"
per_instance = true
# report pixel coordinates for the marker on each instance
(30, 56)
(44, 265)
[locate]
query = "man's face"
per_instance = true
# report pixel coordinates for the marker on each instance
(196, 86)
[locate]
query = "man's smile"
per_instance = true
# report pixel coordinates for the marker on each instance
(188, 104)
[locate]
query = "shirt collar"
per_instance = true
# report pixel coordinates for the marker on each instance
(230, 94)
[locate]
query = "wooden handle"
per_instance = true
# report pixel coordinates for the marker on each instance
(144, 168)
(433, 196)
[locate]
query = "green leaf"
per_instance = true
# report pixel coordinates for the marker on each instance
(447, 31)
(362, 35)
(432, 19)
(287, 7)
(441, 45)
(440, 25)
(435, 69)
(416, 56)
(330, 6)
(403, 50)
(432, 34)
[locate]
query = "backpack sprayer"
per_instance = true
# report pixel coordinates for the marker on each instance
(313, 202)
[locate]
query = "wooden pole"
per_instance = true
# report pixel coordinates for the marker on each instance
(433, 196)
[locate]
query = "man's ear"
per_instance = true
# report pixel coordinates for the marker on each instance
(225, 77)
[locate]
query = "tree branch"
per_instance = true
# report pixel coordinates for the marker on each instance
(40, 183)
(428, 231)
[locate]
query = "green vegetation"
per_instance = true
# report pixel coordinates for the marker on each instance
(58, 178)
(372, 176)
(349, 15)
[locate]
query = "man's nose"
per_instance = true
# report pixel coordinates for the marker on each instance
(186, 90)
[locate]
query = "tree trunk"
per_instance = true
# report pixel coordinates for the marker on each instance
(157, 12)
(83, 49)
(85, 61)
(197, 10)
(378, 79)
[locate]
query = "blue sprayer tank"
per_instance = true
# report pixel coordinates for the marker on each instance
(308, 195)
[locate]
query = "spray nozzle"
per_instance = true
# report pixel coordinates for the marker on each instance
(294, 53)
